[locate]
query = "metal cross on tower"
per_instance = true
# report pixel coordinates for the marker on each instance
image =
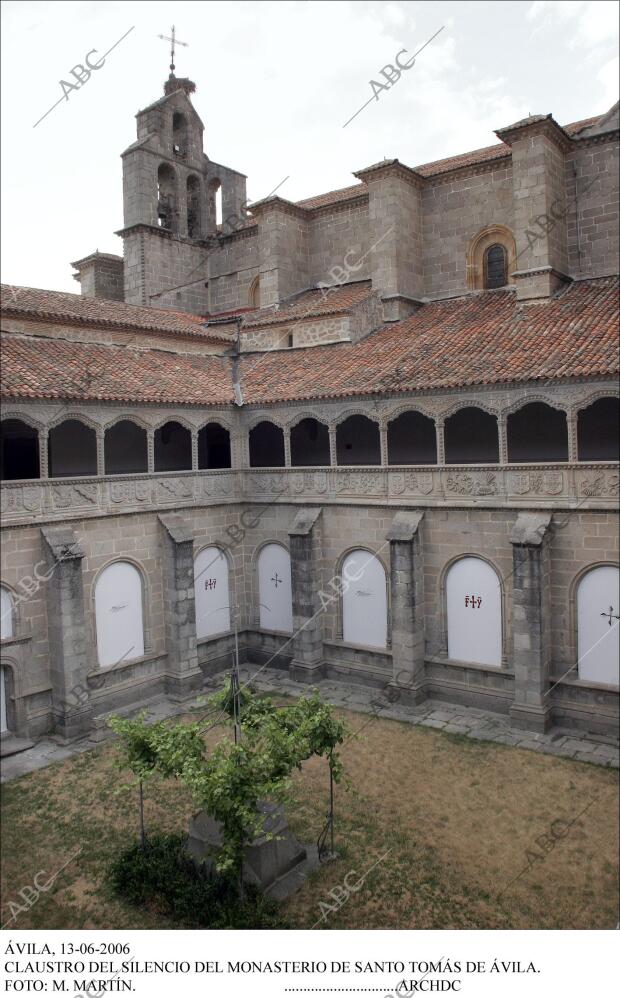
(610, 615)
(172, 38)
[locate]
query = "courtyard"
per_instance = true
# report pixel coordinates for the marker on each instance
(434, 829)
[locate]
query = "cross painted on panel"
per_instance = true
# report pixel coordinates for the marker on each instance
(475, 602)
(276, 579)
(611, 615)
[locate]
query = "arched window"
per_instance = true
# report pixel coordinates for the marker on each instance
(266, 446)
(358, 441)
(495, 266)
(19, 451)
(72, 449)
(173, 447)
(213, 447)
(179, 134)
(364, 600)
(166, 198)
(212, 593)
(412, 439)
(471, 437)
(275, 589)
(491, 257)
(474, 612)
(7, 613)
(537, 432)
(597, 431)
(194, 212)
(254, 293)
(214, 204)
(598, 626)
(309, 444)
(125, 449)
(119, 614)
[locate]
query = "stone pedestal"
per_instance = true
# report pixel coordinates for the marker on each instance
(305, 544)
(184, 676)
(531, 653)
(275, 862)
(407, 592)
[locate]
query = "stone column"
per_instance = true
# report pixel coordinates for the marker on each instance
(43, 463)
(502, 432)
(194, 450)
(531, 624)
(333, 452)
(100, 452)
(183, 673)
(407, 596)
(383, 439)
(441, 447)
(306, 552)
(573, 448)
(69, 661)
(287, 447)
(150, 451)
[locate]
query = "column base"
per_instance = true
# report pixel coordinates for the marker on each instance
(527, 718)
(409, 696)
(69, 727)
(184, 687)
(302, 672)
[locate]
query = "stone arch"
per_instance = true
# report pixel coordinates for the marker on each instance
(172, 445)
(193, 199)
(594, 635)
(180, 131)
(118, 592)
(167, 206)
(471, 436)
(266, 444)
(214, 446)
(254, 293)
(537, 432)
(411, 438)
(597, 429)
(72, 448)
(212, 591)
(358, 439)
(490, 235)
(309, 442)
(364, 606)
(472, 599)
(275, 597)
(125, 446)
(20, 448)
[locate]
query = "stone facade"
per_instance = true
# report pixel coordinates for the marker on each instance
(539, 525)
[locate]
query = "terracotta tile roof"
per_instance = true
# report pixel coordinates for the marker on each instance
(38, 367)
(439, 166)
(313, 303)
(331, 197)
(61, 306)
(482, 338)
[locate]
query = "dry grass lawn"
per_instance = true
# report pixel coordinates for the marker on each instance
(458, 819)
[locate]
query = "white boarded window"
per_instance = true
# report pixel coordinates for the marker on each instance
(474, 607)
(6, 612)
(212, 593)
(118, 614)
(274, 589)
(364, 601)
(597, 625)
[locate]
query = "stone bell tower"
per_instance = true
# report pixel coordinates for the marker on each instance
(171, 191)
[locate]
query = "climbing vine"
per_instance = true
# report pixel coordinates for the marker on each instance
(230, 780)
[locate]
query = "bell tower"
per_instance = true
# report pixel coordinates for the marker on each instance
(169, 199)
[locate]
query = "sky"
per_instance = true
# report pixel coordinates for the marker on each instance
(276, 84)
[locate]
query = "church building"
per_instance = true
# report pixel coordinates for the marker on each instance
(373, 432)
